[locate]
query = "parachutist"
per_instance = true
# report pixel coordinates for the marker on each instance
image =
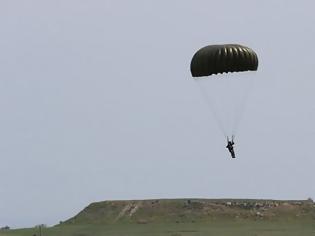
(219, 59)
(229, 146)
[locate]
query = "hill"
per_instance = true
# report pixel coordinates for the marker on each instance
(192, 210)
(185, 217)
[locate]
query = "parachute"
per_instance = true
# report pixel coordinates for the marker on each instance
(216, 59)
(225, 92)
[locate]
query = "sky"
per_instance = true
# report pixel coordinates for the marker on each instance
(97, 103)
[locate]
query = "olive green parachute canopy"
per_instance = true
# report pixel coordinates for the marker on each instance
(214, 59)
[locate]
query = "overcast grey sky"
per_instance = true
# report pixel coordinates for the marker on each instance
(97, 103)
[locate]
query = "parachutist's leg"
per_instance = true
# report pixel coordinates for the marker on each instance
(233, 154)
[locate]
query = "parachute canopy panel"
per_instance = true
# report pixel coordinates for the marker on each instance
(214, 59)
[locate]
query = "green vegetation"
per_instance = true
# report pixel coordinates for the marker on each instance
(185, 218)
(217, 228)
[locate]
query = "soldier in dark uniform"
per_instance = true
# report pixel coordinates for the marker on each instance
(230, 147)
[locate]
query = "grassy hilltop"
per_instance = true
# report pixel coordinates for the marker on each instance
(186, 217)
(191, 210)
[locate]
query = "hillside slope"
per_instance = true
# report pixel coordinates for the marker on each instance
(191, 210)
